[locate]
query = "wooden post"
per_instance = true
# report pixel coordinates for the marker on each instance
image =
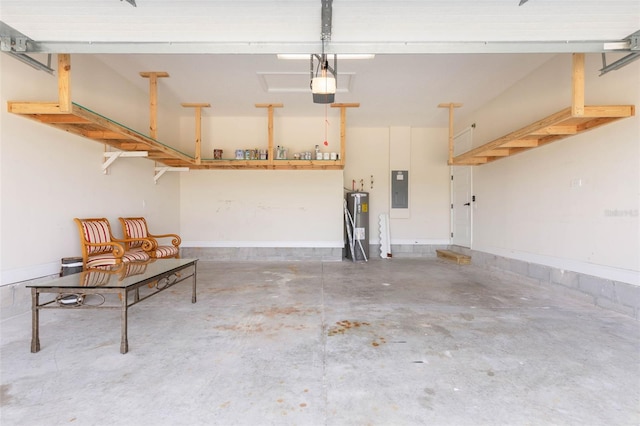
(343, 127)
(153, 99)
(64, 85)
(577, 100)
(451, 107)
(270, 108)
(198, 108)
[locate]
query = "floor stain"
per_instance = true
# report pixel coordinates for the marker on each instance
(342, 326)
(468, 317)
(289, 310)
(441, 330)
(379, 341)
(5, 397)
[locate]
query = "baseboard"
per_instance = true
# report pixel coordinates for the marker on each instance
(604, 292)
(263, 253)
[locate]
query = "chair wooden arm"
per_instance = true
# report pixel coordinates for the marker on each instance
(147, 243)
(176, 240)
(118, 249)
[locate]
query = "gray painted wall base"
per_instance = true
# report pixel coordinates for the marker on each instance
(607, 294)
(262, 253)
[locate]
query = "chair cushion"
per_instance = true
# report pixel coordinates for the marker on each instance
(135, 256)
(166, 251)
(97, 231)
(135, 228)
(104, 259)
(101, 259)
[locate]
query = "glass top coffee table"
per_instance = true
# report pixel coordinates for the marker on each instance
(72, 290)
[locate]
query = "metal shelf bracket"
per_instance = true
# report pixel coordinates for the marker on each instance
(162, 170)
(112, 156)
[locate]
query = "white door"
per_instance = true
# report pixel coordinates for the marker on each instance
(461, 194)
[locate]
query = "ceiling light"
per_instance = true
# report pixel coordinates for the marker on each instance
(323, 81)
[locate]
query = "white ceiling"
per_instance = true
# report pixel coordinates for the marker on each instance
(427, 52)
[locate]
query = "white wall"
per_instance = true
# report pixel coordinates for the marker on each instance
(267, 208)
(261, 208)
(572, 204)
(368, 154)
(48, 176)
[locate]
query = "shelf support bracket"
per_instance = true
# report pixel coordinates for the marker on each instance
(112, 156)
(153, 99)
(451, 107)
(198, 107)
(162, 170)
(577, 80)
(270, 108)
(64, 85)
(343, 126)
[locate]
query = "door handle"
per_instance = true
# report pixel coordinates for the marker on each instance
(466, 204)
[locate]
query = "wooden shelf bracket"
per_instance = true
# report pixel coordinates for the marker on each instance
(153, 77)
(343, 126)
(271, 152)
(198, 107)
(451, 107)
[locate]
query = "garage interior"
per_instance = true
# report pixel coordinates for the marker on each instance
(511, 125)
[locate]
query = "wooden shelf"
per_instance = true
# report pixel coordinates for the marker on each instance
(550, 129)
(576, 119)
(84, 122)
(275, 164)
(73, 118)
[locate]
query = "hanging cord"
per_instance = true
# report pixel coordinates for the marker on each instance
(326, 124)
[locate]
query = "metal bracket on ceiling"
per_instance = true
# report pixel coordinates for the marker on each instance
(16, 44)
(630, 44)
(326, 19)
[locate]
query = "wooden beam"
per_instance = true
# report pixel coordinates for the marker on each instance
(343, 127)
(153, 99)
(64, 86)
(521, 143)
(28, 108)
(61, 118)
(557, 130)
(198, 107)
(270, 142)
(577, 100)
(451, 107)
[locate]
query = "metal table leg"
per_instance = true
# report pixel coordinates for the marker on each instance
(124, 342)
(195, 270)
(35, 321)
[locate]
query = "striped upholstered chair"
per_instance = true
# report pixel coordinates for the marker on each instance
(100, 248)
(136, 227)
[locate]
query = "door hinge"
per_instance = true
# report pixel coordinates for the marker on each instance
(452, 235)
(451, 177)
(451, 205)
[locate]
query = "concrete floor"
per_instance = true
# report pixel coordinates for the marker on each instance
(390, 342)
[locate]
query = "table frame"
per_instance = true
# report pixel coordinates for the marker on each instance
(158, 283)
